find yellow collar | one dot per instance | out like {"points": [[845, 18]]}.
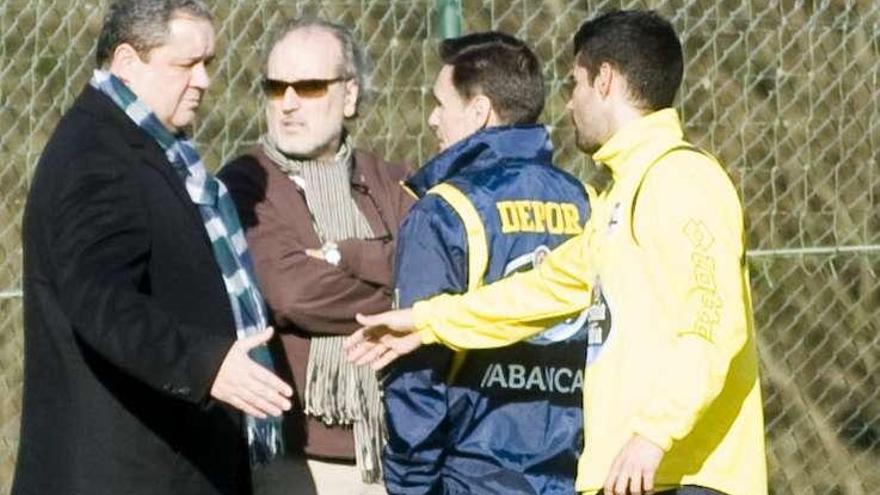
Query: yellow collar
{"points": [[657, 127]]}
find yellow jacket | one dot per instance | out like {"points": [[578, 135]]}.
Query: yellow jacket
{"points": [[671, 352]]}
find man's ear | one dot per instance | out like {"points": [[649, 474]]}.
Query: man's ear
{"points": [[124, 62], [352, 93], [604, 80], [480, 108]]}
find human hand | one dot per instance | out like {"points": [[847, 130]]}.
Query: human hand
{"points": [[315, 253], [383, 338], [248, 386], [632, 472]]}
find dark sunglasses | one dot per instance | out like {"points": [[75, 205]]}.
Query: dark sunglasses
{"points": [[305, 88]]}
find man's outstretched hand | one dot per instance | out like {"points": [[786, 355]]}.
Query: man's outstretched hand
{"points": [[247, 385], [383, 338]]}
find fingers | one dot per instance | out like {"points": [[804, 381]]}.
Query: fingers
{"points": [[365, 345], [368, 335], [634, 468], [384, 359], [611, 480], [354, 340], [648, 481], [269, 387], [257, 339], [263, 390], [368, 352], [635, 482], [244, 407], [247, 385], [253, 399], [250, 403], [368, 320], [236, 400], [620, 485], [358, 355], [624, 479], [398, 320], [378, 346], [260, 400], [270, 380]]}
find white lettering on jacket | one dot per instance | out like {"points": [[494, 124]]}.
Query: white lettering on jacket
{"points": [[537, 378]]}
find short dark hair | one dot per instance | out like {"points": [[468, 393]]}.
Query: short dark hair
{"points": [[641, 46], [355, 63], [143, 24], [500, 67]]}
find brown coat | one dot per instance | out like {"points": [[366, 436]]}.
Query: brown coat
{"points": [[308, 296]]}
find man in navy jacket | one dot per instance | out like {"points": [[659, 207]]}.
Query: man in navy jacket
{"points": [[491, 203]]}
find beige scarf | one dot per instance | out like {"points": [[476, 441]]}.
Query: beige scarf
{"points": [[337, 392]]}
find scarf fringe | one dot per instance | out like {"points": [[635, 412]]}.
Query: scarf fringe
{"points": [[340, 393], [264, 441]]}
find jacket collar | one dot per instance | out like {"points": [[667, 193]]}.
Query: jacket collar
{"points": [[656, 129], [482, 149], [146, 148], [101, 106]]}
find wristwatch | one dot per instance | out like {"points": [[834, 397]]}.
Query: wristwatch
{"points": [[330, 251]]}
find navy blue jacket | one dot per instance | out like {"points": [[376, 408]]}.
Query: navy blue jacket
{"points": [[493, 421]]}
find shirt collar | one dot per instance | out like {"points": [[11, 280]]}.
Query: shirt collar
{"points": [[653, 129], [485, 148]]}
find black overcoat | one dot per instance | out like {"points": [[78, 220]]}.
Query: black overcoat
{"points": [[126, 322]]}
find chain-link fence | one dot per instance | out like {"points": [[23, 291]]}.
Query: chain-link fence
{"points": [[785, 92]]}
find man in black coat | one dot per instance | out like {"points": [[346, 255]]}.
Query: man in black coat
{"points": [[134, 378]]}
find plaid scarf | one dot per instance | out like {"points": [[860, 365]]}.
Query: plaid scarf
{"points": [[227, 242]]}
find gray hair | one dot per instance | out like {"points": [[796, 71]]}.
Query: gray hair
{"points": [[143, 24], [355, 63]]}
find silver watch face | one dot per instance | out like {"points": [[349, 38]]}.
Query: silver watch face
{"points": [[332, 255]]}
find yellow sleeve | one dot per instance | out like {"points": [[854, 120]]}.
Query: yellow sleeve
{"points": [[513, 308], [689, 218]]}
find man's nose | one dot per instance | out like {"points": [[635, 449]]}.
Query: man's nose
{"points": [[290, 100], [200, 78]]}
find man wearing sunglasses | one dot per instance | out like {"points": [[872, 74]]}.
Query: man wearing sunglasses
{"points": [[321, 218]]}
